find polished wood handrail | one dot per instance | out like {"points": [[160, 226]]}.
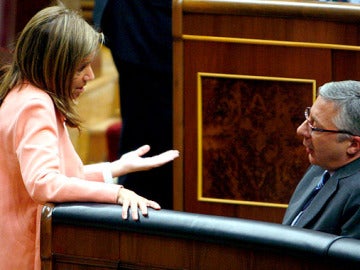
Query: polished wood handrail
{"points": [[274, 8]]}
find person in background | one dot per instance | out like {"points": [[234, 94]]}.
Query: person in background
{"points": [[331, 133], [38, 164], [138, 33]]}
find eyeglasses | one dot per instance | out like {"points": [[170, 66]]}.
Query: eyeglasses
{"points": [[307, 118]]}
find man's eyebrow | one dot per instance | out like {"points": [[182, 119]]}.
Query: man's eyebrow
{"points": [[315, 120], [311, 116]]}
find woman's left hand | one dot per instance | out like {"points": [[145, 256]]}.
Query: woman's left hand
{"points": [[129, 199]]}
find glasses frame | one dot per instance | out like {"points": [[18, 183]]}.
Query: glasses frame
{"points": [[307, 118]]}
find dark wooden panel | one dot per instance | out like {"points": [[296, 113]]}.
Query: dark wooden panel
{"points": [[346, 65], [64, 240], [247, 137], [255, 60], [143, 251]]}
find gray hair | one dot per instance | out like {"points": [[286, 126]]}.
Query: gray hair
{"points": [[346, 97]]}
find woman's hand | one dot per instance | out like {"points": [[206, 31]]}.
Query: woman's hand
{"points": [[133, 161], [129, 199]]}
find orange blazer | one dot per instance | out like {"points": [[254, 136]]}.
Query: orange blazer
{"points": [[38, 164]]}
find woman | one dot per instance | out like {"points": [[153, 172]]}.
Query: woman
{"points": [[38, 164]]}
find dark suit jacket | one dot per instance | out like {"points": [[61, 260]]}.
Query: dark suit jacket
{"points": [[336, 208], [138, 31]]}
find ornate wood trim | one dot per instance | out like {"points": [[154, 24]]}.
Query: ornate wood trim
{"points": [[271, 42]]}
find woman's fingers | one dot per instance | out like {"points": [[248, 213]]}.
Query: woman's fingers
{"points": [[130, 200]]}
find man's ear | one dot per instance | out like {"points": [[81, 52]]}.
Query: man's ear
{"points": [[354, 147]]}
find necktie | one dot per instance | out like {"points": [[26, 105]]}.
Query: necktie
{"points": [[324, 178]]}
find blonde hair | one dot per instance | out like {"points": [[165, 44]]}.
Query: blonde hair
{"points": [[49, 50]]}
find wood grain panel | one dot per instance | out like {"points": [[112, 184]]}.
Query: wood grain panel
{"points": [[64, 237], [246, 139], [270, 28], [142, 251]]}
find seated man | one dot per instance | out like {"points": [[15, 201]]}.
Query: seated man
{"points": [[331, 132]]}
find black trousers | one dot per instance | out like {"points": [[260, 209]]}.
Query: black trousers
{"points": [[138, 33], [146, 111]]}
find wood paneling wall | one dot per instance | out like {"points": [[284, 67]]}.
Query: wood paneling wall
{"points": [[243, 73]]}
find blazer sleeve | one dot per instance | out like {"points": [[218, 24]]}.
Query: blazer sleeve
{"points": [[37, 149], [94, 172]]}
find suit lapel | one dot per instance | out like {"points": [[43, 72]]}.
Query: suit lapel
{"points": [[327, 192], [303, 195], [319, 201], [305, 187]]}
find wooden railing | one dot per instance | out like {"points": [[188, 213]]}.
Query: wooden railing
{"points": [[94, 236]]}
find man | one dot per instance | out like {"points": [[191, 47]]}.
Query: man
{"points": [[138, 33], [331, 132]]}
